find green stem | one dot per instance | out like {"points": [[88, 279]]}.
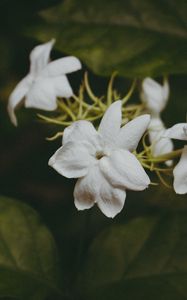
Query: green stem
{"points": [[131, 90], [91, 94], [110, 92], [67, 110], [167, 156]]}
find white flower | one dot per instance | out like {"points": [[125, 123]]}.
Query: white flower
{"points": [[179, 132], [155, 97], [102, 160], [45, 82]]}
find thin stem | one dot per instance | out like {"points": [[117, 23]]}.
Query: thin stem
{"points": [[132, 107], [61, 118], [109, 91], [167, 156], [54, 137], [126, 98], [67, 110], [49, 120], [88, 88], [53, 121], [90, 93], [86, 105], [163, 180], [116, 95], [81, 101], [94, 117]]}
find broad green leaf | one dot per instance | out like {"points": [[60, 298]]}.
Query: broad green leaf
{"points": [[136, 38], [28, 255], [143, 259], [161, 197]]}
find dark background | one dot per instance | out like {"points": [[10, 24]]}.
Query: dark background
{"points": [[26, 176]]}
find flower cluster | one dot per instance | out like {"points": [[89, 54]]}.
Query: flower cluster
{"points": [[105, 160]]}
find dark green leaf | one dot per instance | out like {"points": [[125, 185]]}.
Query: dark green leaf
{"points": [[144, 259], [136, 38], [28, 256]]}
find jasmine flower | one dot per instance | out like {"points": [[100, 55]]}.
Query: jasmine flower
{"points": [[179, 132], [155, 98], [103, 160], [45, 82]]}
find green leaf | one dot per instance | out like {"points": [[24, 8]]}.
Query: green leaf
{"points": [[136, 38], [144, 259], [28, 255]]}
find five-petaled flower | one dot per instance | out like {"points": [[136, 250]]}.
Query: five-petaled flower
{"points": [[155, 97], [103, 160], [45, 82], [179, 132]]}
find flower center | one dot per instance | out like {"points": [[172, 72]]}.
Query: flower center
{"points": [[99, 154]]}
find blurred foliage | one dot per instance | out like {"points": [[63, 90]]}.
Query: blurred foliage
{"points": [[136, 38], [141, 254], [145, 259], [28, 255]]}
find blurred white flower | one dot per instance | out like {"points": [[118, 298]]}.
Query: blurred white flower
{"points": [[102, 160], [45, 82], [155, 97], [179, 132]]}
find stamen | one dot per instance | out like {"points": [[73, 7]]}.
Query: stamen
{"points": [[100, 154]]}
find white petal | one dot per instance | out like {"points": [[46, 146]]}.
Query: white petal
{"points": [[87, 189], [17, 96], [39, 57], [123, 170], [44, 92], [72, 160], [178, 132], [154, 95], [93, 188], [160, 145], [180, 174], [62, 66], [111, 122], [111, 200], [62, 87], [131, 133], [79, 131], [42, 95]]}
